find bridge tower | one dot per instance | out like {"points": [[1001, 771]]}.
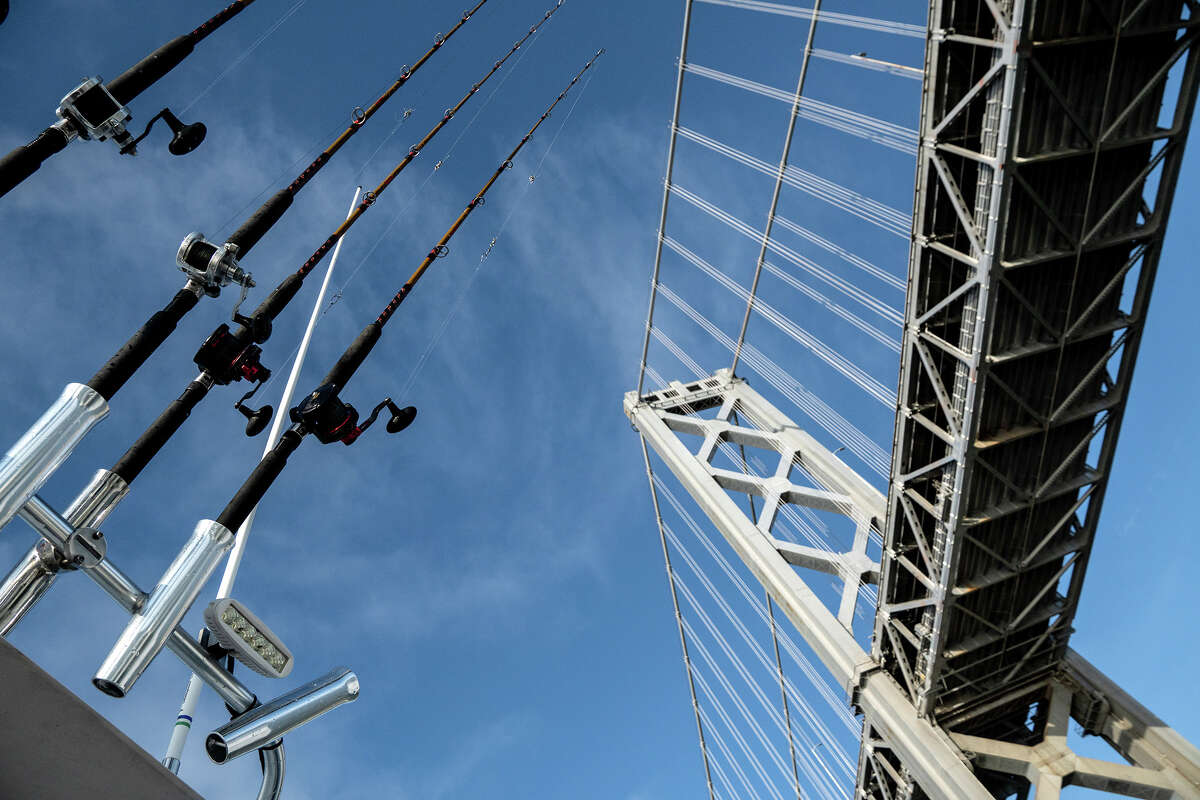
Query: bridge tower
{"points": [[1047, 155]]}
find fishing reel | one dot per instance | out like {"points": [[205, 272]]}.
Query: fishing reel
{"points": [[227, 359], [90, 111], [327, 417], [212, 266]]}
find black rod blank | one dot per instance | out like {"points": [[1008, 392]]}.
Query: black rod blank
{"points": [[264, 474], [130, 465], [26, 159], [130, 357]]}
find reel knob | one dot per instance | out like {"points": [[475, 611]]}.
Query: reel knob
{"points": [[401, 418], [257, 419]]}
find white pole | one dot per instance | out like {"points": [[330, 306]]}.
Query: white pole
{"points": [[183, 722]]}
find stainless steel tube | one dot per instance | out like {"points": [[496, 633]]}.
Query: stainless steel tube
{"points": [[118, 585], [47, 522], [273, 763], [287, 712], [165, 608], [36, 455], [21, 590], [25, 585], [194, 657], [91, 507], [181, 643]]}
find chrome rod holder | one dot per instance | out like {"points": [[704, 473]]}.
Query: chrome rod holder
{"points": [[264, 724], [165, 608], [91, 507], [26, 583], [45, 446]]}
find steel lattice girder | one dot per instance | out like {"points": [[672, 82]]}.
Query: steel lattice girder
{"points": [[922, 747], [1043, 189], [1158, 764]]}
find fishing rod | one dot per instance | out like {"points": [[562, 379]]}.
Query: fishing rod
{"points": [[322, 414], [226, 356], [214, 266], [257, 419], [95, 110], [231, 355], [208, 267]]}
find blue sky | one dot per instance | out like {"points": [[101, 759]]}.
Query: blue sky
{"points": [[492, 574]]}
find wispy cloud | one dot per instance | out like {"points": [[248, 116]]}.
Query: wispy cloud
{"points": [[491, 549]]}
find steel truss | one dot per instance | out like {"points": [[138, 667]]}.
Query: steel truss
{"points": [[1052, 134], [1160, 764], [903, 755], [1044, 184]]}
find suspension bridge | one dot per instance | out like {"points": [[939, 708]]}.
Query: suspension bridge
{"points": [[878, 422]]}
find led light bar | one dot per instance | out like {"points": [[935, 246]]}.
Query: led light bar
{"points": [[250, 641]]}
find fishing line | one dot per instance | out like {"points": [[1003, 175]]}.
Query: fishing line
{"points": [[404, 117], [462, 293], [290, 169], [245, 54], [97, 111], [400, 214], [337, 294], [488, 102]]}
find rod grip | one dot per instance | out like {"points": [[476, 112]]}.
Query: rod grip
{"points": [[120, 368], [264, 474], [354, 356], [142, 75], [154, 438], [261, 221], [259, 327], [279, 297], [25, 160]]}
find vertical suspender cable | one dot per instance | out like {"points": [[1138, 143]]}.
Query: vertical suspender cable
{"points": [[183, 721], [687, 661], [783, 160], [662, 220]]}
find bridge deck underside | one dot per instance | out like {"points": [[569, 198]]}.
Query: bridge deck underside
{"points": [[1043, 189]]}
